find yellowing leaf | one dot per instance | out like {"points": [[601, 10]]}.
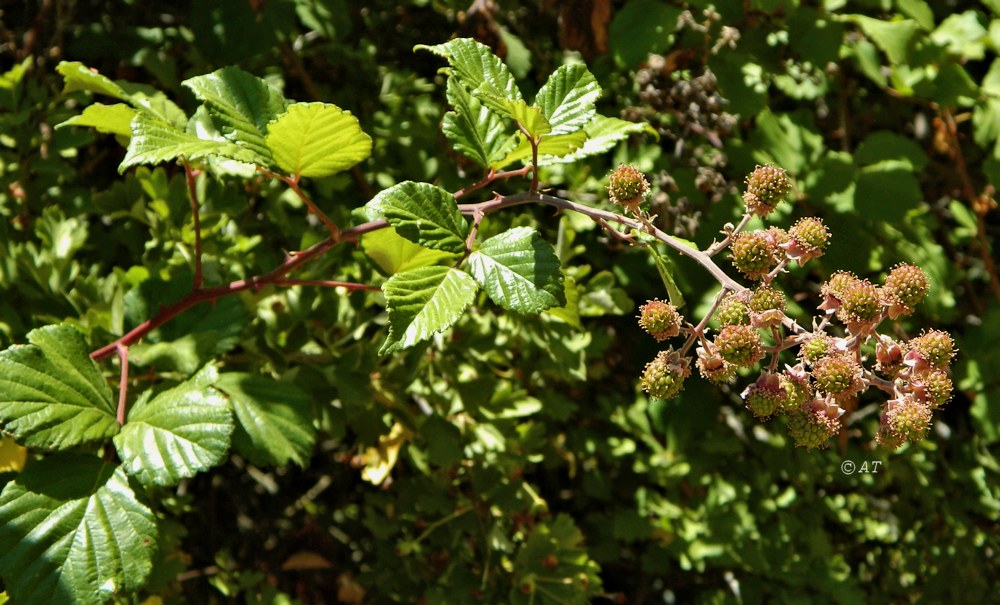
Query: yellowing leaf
{"points": [[12, 456], [380, 460]]}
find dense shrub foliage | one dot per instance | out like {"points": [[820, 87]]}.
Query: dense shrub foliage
{"points": [[313, 301]]}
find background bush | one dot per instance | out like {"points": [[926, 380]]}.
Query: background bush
{"points": [[520, 439]]}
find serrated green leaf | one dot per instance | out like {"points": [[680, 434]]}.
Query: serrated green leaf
{"points": [[108, 119], [274, 419], [529, 117], [424, 214], [78, 76], [394, 253], [567, 98], [603, 133], [155, 141], [52, 395], [519, 271], [480, 71], [893, 37], [550, 148], [242, 106], [474, 129], [424, 301], [178, 433], [317, 140], [73, 532]]}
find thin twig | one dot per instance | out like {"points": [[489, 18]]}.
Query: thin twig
{"points": [[720, 246], [122, 351], [190, 176], [292, 262], [322, 283], [293, 183], [489, 178]]}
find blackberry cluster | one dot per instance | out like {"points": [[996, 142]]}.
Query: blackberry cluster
{"points": [[694, 104], [833, 367]]}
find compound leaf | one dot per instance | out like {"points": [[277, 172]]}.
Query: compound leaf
{"points": [[424, 301], [519, 271], [178, 433], [72, 531], [242, 105], [52, 395], [567, 98], [424, 214], [317, 140], [274, 419]]}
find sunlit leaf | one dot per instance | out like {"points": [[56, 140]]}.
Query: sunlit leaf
{"points": [[177, 433], [519, 271], [155, 142], [475, 130], [242, 105], [567, 98], [108, 119], [424, 214], [72, 532], [424, 301], [52, 396], [317, 140]]}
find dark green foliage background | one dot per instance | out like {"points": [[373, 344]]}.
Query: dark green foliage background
{"points": [[512, 421]]}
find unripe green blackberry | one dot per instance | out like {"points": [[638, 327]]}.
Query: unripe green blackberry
{"points": [[837, 375], [627, 187], [767, 307], [932, 388], [766, 396], [907, 418], [833, 290], [733, 310], [905, 287], [808, 238], [887, 438], [934, 348], [664, 377], [754, 253], [766, 187], [859, 303], [739, 345], [660, 319], [712, 366], [819, 346], [795, 381], [812, 424]]}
